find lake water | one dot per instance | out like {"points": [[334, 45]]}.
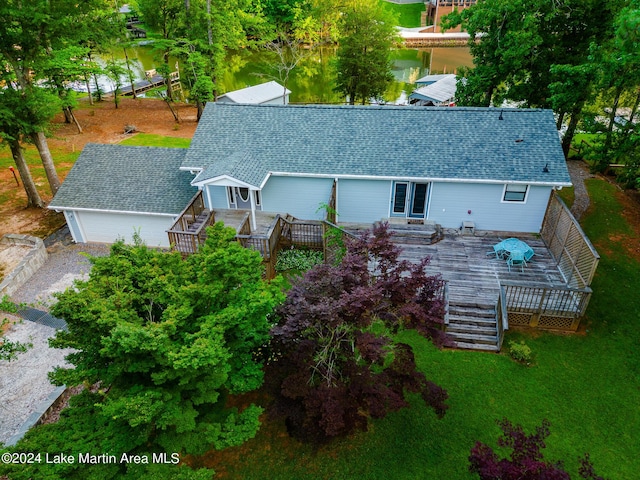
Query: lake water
{"points": [[311, 80]]}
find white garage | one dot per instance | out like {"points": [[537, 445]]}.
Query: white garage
{"points": [[113, 191]]}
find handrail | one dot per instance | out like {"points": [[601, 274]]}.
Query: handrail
{"points": [[559, 286], [183, 212], [502, 316], [445, 297], [540, 300], [333, 225]]}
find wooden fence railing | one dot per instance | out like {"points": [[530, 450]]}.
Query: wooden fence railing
{"points": [[576, 258], [189, 230], [283, 233], [544, 306]]}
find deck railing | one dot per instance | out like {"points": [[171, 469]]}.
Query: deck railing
{"points": [[183, 237], [545, 306], [502, 316], [283, 232]]}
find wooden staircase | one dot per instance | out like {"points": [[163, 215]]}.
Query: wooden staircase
{"points": [[472, 326], [199, 220]]}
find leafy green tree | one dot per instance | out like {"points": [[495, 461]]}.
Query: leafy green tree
{"points": [[202, 89], [63, 67], [115, 71], [618, 67], [336, 363], [8, 348], [166, 340], [23, 115], [363, 60], [82, 429], [522, 47], [30, 30]]}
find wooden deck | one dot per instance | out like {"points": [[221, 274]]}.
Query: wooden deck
{"points": [[473, 275]]}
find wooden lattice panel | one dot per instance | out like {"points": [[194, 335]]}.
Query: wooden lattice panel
{"points": [[576, 258], [519, 319], [561, 323]]}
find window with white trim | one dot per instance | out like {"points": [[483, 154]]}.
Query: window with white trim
{"points": [[232, 197], [515, 193]]}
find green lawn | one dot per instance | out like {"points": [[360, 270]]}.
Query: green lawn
{"points": [[587, 385], [151, 140], [408, 14]]}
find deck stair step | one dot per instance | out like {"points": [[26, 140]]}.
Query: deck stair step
{"points": [[415, 234], [472, 325], [200, 219]]}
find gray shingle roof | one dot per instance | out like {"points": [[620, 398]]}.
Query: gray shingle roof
{"points": [[247, 142], [131, 179]]}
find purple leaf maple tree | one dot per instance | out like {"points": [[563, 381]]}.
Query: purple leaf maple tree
{"points": [[336, 361], [526, 461]]}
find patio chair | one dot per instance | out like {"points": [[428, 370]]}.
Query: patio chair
{"points": [[516, 258], [498, 250]]}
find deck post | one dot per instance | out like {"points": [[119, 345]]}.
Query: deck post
{"points": [[252, 197]]}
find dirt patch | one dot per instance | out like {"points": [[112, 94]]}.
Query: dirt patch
{"points": [[101, 123]]}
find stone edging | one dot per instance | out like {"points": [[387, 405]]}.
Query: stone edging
{"points": [[38, 415], [27, 266]]}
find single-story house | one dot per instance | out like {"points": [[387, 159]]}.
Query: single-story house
{"points": [[269, 93], [434, 90], [493, 167]]}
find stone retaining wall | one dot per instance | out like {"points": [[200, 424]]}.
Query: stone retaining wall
{"points": [[29, 264]]}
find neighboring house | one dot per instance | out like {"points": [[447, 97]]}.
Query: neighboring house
{"points": [[434, 90], [270, 93], [493, 167]]}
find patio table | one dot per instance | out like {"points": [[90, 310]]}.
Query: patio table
{"points": [[511, 245]]}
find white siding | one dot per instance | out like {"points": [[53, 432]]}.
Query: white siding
{"points": [[300, 197], [451, 202], [106, 227], [363, 201]]}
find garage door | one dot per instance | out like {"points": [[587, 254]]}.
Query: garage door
{"points": [[108, 227]]}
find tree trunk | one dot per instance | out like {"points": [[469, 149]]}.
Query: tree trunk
{"points": [[41, 144], [612, 120], [634, 109], [86, 80], [130, 74], [69, 111], [167, 80], [200, 109], [209, 29], [33, 197], [67, 114], [561, 115], [571, 130]]}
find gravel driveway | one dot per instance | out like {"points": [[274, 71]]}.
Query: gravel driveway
{"points": [[24, 385], [65, 264]]}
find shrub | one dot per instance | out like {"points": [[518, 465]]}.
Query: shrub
{"points": [[520, 352], [297, 259]]}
